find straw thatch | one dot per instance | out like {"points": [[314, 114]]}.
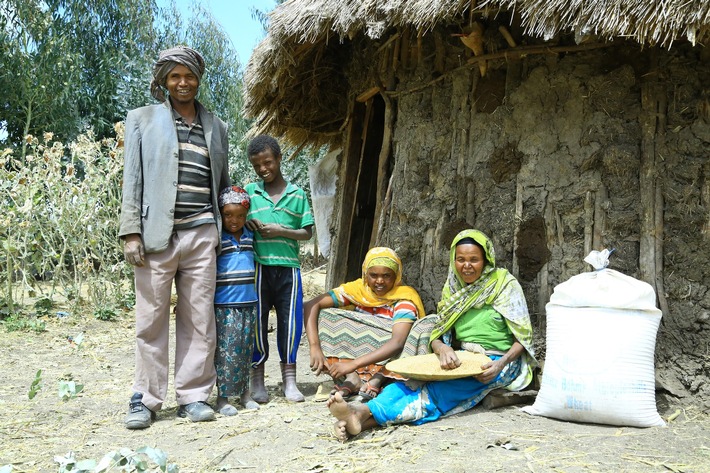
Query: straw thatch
{"points": [[295, 81]]}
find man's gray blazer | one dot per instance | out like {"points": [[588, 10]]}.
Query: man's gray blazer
{"points": [[150, 172]]}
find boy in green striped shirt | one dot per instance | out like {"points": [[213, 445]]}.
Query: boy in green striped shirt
{"points": [[280, 217]]}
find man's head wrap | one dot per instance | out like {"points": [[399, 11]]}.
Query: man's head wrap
{"points": [[170, 58], [234, 195]]}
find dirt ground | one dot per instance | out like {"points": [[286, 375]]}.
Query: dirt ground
{"points": [[296, 437]]}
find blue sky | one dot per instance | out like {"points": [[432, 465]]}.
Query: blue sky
{"points": [[236, 19]]}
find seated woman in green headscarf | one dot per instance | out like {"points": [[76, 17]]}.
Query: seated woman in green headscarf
{"points": [[355, 328], [482, 309]]}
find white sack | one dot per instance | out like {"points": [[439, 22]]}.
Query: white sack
{"points": [[601, 336], [323, 179]]}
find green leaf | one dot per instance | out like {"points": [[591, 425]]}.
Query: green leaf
{"points": [[155, 454], [36, 385], [69, 389]]}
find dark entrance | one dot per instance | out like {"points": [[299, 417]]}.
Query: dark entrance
{"points": [[359, 184]]}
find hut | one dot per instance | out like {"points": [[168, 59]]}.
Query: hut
{"points": [[555, 126]]}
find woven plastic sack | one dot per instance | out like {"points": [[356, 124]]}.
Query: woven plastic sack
{"points": [[601, 337]]}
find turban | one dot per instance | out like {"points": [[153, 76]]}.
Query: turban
{"points": [[234, 195], [167, 60]]}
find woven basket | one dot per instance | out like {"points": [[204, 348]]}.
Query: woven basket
{"points": [[427, 367]]}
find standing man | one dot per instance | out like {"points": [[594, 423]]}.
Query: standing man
{"points": [[175, 164]]}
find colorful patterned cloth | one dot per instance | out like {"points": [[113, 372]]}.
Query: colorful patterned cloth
{"points": [[235, 345], [347, 334]]}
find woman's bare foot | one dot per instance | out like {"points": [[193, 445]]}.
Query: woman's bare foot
{"points": [[350, 416], [340, 431]]}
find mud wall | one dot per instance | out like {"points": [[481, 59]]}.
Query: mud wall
{"points": [[544, 155]]}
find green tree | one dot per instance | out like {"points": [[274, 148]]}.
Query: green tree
{"points": [[71, 65], [39, 72], [115, 40]]}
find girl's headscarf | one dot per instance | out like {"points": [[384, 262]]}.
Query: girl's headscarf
{"points": [[233, 195], [167, 60], [360, 293], [495, 287]]}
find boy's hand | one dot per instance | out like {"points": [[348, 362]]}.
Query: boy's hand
{"points": [[270, 230], [254, 225]]}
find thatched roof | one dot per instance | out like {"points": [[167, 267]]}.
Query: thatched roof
{"points": [[295, 84]]}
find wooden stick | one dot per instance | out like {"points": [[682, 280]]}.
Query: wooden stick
{"points": [[387, 43], [600, 209], [662, 102], [660, 285], [517, 221], [368, 94], [383, 212], [588, 222], [395, 53], [405, 50], [440, 58], [647, 178], [508, 37], [550, 233], [509, 54], [381, 190]]}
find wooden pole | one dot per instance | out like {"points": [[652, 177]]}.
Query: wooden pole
{"points": [[662, 107], [600, 208], [518, 219], [382, 187], [647, 191], [588, 222]]}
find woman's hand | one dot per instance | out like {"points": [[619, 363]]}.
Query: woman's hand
{"points": [[319, 364], [447, 358], [342, 368], [491, 371]]}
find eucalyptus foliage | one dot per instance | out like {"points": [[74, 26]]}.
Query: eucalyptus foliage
{"points": [[71, 65], [68, 66]]}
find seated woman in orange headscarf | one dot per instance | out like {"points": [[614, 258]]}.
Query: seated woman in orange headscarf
{"points": [[354, 329]]}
